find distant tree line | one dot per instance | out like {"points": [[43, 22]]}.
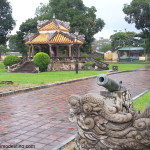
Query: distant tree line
{"points": [[80, 17], [137, 12]]}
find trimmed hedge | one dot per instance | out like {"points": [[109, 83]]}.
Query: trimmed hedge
{"points": [[42, 60], [84, 55], [99, 59], [89, 63], [11, 60]]}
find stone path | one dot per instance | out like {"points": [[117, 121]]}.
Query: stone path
{"points": [[40, 118]]}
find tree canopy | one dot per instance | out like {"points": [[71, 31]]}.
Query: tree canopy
{"points": [[138, 12], [105, 47], [81, 18], [123, 39], [16, 42], [6, 21], [3, 49], [13, 42]]}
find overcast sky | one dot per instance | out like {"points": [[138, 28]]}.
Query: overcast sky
{"points": [[108, 10]]}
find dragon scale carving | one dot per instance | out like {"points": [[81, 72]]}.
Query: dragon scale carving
{"points": [[107, 121]]}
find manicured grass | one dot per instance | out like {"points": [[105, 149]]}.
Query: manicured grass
{"points": [[46, 77], [142, 102], [2, 69], [27, 80], [51, 77], [127, 66]]}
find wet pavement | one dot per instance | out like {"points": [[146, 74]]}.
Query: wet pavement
{"points": [[39, 119]]}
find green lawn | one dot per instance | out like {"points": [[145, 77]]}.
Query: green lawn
{"points": [[26, 79], [46, 77], [2, 69], [142, 102], [127, 66]]}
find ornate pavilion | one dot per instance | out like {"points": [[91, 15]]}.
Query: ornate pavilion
{"points": [[54, 33]]}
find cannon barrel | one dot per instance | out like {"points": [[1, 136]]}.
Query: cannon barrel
{"points": [[108, 83]]}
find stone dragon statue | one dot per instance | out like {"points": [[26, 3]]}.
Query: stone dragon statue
{"points": [[107, 121]]}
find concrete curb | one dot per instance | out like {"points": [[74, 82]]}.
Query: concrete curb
{"points": [[59, 83], [42, 86], [134, 98], [63, 144]]}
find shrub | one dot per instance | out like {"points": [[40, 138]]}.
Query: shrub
{"points": [[84, 55], [99, 59], [42, 60], [89, 63], [11, 60]]}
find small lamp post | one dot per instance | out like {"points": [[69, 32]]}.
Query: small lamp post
{"points": [[76, 63], [76, 66]]}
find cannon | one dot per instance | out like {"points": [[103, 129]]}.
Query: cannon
{"points": [[115, 91], [109, 84]]}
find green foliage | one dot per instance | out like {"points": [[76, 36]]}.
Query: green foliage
{"points": [[84, 55], [138, 12], [50, 77], [2, 68], [6, 21], [43, 12], [126, 66], [141, 103], [123, 39], [42, 60], [99, 59], [89, 63], [105, 47], [3, 49], [29, 26], [147, 45], [13, 42], [75, 12], [17, 41], [11, 60]]}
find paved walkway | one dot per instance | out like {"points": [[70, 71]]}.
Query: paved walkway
{"points": [[40, 117]]}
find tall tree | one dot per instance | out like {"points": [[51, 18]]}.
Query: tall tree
{"points": [[105, 47], [43, 12], [6, 20], [29, 26], [13, 42], [138, 12], [3, 49], [122, 39], [81, 18]]}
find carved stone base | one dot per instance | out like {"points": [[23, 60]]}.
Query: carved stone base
{"points": [[103, 124]]}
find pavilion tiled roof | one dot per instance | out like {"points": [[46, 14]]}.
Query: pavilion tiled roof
{"points": [[54, 31], [53, 26], [56, 37]]}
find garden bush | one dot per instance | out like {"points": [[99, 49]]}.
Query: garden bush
{"points": [[42, 60], [11, 60], [84, 55], [99, 59], [89, 63]]}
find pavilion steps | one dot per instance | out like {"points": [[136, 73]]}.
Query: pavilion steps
{"points": [[28, 67]]}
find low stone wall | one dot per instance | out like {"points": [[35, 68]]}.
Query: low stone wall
{"points": [[58, 66]]}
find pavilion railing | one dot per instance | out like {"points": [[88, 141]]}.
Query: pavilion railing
{"points": [[100, 64]]}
